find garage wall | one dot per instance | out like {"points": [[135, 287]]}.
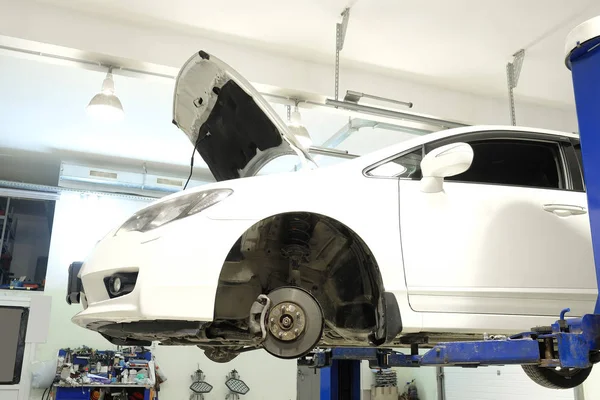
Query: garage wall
{"points": [[79, 222], [497, 383]]}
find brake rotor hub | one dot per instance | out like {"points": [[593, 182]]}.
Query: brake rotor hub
{"points": [[287, 321]]}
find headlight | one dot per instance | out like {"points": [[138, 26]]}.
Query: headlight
{"points": [[170, 210]]}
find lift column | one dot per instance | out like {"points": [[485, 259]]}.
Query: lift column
{"points": [[341, 381], [583, 59]]}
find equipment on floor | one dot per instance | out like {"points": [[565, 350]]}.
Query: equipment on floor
{"points": [[85, 373], [199, 387], [235, 385]]}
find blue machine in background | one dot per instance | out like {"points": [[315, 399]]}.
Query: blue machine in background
{"points": [[577, 339]]}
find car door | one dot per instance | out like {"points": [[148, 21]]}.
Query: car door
{"points": [[508, 236]]}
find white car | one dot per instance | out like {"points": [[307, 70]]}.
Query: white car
{"points": [[444, 237]]}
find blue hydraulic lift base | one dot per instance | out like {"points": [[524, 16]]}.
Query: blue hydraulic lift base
{"points": [[577, 341]]}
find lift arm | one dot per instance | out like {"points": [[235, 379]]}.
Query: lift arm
{"points": [[577, 341]]}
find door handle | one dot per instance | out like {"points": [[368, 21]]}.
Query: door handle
{"points": [[564, 210]]}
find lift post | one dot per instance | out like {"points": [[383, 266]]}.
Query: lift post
{"points": [[583, 59]]}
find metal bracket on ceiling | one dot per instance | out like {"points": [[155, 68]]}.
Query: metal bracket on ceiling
{"points": [[356, 124], [340, 36], [354, 97], [513, 72]]}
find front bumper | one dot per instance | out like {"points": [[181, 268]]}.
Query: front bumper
{"points": [[178, 269]]}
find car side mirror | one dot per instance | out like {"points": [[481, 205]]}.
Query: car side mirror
{"points": [[449, 160]]}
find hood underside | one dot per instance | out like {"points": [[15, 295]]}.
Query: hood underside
{"points": [[231, 125]]}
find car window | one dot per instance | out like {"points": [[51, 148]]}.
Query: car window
{"points": [[514, 162], [408, 165]]}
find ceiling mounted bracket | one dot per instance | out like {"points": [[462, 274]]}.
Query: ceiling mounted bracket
{"points": [[340, 36], [356, 124], [513, 72], [354, 97]]}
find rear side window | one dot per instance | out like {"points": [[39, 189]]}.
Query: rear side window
{"points": [[514, 162]]}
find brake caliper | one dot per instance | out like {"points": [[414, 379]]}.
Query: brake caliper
{"points": [[258, 313]]}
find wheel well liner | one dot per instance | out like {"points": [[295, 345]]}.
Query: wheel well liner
{"points": [[340, 265]]}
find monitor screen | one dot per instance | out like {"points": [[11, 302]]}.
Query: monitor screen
{"points": [[13, 328]]}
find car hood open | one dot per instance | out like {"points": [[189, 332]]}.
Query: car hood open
{"points": [[232, 126]]}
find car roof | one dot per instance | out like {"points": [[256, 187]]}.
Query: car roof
{"points": [[389, 151]]}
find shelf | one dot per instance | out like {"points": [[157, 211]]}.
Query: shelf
{"points": [[116, 385]]}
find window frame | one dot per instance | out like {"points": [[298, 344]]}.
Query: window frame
{"points": [[390, 159], [575, 165], [564, 165]]}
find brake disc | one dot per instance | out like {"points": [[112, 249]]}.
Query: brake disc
{"points": [[294, 323]]}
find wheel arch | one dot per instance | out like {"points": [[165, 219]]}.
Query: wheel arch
{"points": [[352, 231], [360, 248]]}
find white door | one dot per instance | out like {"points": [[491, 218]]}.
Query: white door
{"points": [[497, 383], [509, 236]]}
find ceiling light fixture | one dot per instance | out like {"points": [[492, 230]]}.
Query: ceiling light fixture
{"points": [[106, 106], [298, 129]]}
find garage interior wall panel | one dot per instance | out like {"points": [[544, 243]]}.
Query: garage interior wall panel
{"points": [[79, 222], [497, 383]]}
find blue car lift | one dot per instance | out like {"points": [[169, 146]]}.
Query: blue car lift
{"points": [[576, 339]]}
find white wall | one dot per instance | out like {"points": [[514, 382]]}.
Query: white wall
{"points": [[498, 383], [79, 222]]}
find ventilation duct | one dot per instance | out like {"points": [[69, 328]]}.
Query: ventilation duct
{"points": [[83, 177]]}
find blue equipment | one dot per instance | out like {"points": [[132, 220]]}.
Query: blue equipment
{"points": [[583, 58]]}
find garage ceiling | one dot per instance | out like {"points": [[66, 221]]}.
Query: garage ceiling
{"points": [[462, 44]]}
